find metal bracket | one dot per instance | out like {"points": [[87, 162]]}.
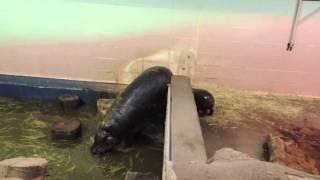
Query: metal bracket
{"points": [[294, 25], [296, 22]]}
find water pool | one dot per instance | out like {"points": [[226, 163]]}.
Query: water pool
{"points": [[25, 131]]}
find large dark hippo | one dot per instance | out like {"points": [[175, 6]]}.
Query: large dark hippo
{"points": [[145, 96], [204, 102]]}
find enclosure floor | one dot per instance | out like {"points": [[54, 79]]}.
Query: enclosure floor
{"points": [[25, 131], [242, 119]]}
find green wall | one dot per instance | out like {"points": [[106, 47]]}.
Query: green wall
{"points": [[35, 20]]}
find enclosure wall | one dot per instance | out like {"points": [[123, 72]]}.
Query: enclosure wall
{"points": [[238, 44]]}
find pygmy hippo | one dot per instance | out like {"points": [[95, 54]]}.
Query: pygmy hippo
{"points": [[204, 102], [145, 96]]}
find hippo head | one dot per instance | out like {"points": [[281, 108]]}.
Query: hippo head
{"points": [[103, 142]]}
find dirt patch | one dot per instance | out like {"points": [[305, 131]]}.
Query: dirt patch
{"points": [[296, 147]]}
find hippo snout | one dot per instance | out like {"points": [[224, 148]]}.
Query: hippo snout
{"points": [[103, 142]]}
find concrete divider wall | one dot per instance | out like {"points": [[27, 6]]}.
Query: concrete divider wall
{"points": [[183, 137]]}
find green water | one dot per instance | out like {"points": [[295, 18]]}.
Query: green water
{"points": [[25, 131]]}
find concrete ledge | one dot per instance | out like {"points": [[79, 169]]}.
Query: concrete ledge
{"points": [[50, 89], [187, 139], [183, 136]]}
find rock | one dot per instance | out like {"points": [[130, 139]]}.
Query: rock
{"points": [[152, 130], [230, 164], [69, 102], [66, 129], [103, 105], [24, 168], [275, 149], [297, 148], [140, 176], [228, 154]]}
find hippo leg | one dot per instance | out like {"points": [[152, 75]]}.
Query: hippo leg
{"points": [[131, 138]]}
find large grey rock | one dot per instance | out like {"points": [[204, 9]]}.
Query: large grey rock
{"points": [[229, 154], [228, 164], [24, 168], [140, 176]]}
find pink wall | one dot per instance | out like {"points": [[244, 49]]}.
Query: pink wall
{"points": [[244, 51], [251, 55]]}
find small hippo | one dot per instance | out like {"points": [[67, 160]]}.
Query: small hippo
{"points": [[204, 102]]}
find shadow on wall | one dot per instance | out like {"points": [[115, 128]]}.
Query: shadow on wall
{"points": [[180, 62]]}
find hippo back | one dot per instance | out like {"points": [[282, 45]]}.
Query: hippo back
{"points": [[146, 94]]}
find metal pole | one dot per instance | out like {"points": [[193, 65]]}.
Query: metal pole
{"points": [[294, 25]]}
